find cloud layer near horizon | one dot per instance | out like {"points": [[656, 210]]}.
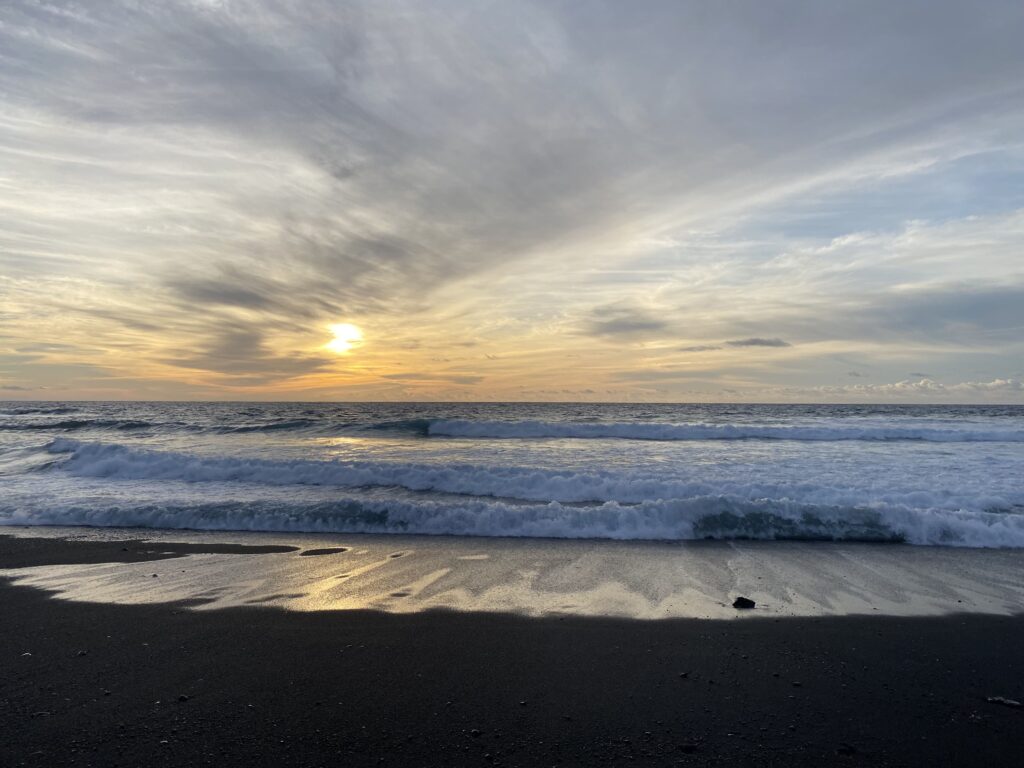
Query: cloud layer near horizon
{"points": [[679, 201]]}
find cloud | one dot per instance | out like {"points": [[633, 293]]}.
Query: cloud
{"points": [[926, 388], [960, 312], [199, 188], [454, 378], [623, 321], [241, 355], [751, 342], [225, 291], [758, 342]]}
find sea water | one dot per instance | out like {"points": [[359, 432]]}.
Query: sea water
{"points": [[939, 475]]}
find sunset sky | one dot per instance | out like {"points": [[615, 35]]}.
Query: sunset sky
{"points": [[677, 201]]}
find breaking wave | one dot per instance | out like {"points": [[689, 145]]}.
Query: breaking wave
{"points": [[636, 431], [696, 518], [519, 501]]}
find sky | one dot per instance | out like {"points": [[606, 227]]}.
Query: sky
{"points": [[576, 201]]}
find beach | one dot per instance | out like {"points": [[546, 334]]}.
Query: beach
{"points": [[511, 584], [534, 384], [364, 676]]}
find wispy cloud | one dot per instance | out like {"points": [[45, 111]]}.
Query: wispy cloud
{"points": [[700, 348], [192, 192], [623, 321], [756, 341]]}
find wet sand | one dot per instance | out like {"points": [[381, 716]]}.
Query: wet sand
{"points": [[532, 577], [88, 679]]}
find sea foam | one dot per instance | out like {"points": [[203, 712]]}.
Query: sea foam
{"points": [[684, 519], [519, 501], [639, 431], [119, 462]]}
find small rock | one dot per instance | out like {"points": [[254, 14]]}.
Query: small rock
{"points": [[743, 603], [183, 698], [846, 749], [688, 748], [1004, 701]]}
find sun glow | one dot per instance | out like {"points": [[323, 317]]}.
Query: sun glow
{"points": [[346, 338]]}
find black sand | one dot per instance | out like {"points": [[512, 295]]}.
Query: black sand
{"points": [[103, 685]]}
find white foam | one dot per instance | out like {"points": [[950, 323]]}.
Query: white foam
{"points": [[705, 517], [188, 491], [655, 431], [117, 462]]}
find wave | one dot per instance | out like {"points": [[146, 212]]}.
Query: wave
{"points": [[676, 520], [275, 426], [322, 427], [525, 501], [415, 426], [125, 425], [484, 429], [74, 425], [41, 410], [118, 462], [655, 431]]}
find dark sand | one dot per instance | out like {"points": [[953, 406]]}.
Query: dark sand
{"points": [[101, 684]]}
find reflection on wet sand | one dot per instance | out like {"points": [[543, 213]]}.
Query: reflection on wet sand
{"points": [[646, 580]]}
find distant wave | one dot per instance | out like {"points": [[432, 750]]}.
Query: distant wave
{"points": [[508, 430], [74, 425], [654, 431], [124, 425], [321, 426], [415, 426], [274, 426], [41, 410], [697, 518]]}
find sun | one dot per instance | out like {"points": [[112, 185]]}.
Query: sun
{"points": [[346, 338]]}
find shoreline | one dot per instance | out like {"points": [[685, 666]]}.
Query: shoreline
{"points": [[412, 573], [165, 684]]}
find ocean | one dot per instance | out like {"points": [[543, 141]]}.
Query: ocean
{"points": [[926, 475]]}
